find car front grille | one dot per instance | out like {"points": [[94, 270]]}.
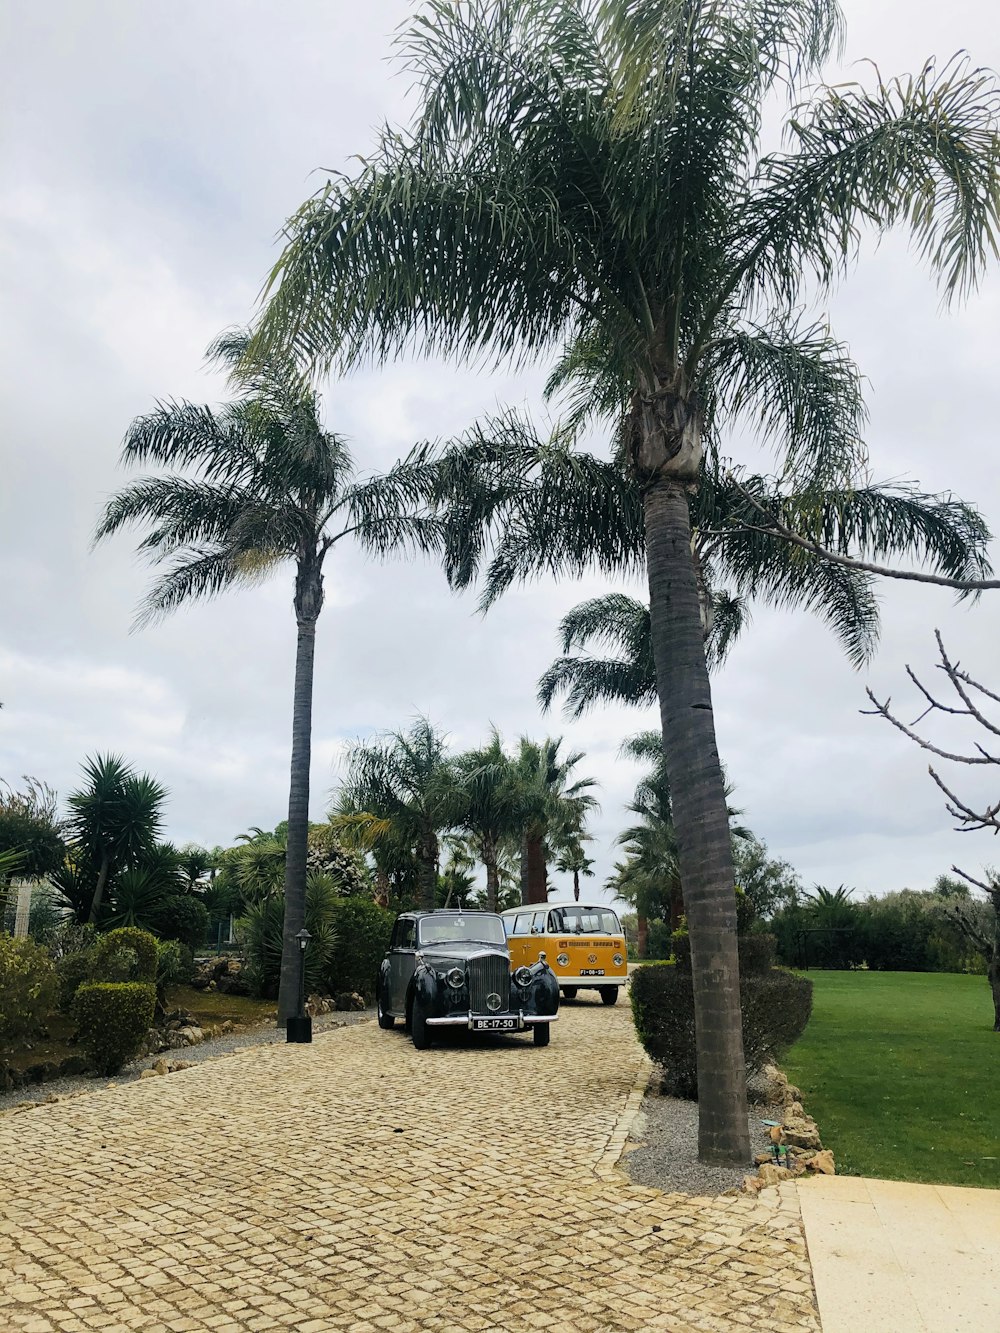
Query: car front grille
{"points": [[489, 975]]}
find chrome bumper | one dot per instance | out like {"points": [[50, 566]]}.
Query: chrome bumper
{"points": [[466, 1020]]}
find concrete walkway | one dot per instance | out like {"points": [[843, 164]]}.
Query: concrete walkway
{"points": [[889, 1257], [360, 1184]]}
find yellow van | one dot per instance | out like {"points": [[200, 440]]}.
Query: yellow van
{"points": [[583, 943]]}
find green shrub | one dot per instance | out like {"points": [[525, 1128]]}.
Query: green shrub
{"points": [[776, 1006], [28, 988], [756, 953], [182, 917], [127, 954], [73, 947], [261, 931], [113, 1019], [174, 965], [363, 931]]}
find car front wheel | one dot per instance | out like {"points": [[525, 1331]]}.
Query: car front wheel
{"points": [[609, 994], [540, 1032], [419, 1030]]}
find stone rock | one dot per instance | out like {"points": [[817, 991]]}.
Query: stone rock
{"points": [[43, 1072], [227, 1025], [792, 1094], [802, 1133], [763, 1157], [349, 1000], [822, 1162], [73, 1064], [148, 1073], [770, 1174], [795, 1111], [752, 1184], [161, 1067], [177, 1065]]}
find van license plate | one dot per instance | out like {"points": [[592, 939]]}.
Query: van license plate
{"points": [[494, 1025], [591, 971]]}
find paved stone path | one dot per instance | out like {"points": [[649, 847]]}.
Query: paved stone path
{"points": [[903, 1258], [359, 1184]]}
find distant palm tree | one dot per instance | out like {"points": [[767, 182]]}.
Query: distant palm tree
{"points": [[270, 486], [553, 804], [489, 797], [399, 790]]}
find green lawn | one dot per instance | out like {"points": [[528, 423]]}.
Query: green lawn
{"points": [[901, 1071]]}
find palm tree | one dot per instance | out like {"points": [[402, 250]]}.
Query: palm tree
{"points": [[399, 790], [592, 175], [571, 859], [270, 486], [113, 824], [756, 566], [488, 805], [552, 806]]}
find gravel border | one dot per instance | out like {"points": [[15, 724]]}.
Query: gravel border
{"points": [[261, 1034], [662, 1149]]}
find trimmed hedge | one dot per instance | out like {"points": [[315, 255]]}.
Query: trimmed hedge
{"points": [[114, 1018], [776, 1006], [128, 954]]}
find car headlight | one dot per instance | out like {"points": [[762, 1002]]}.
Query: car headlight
{"points": [[563, 960], [523, 976], [618, 960], [456, 977]]}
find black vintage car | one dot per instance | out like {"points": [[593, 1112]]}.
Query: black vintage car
{"points": [[452, 969]]}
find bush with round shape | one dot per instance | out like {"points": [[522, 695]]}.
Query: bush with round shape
{"points": [[363, 932], [174, 965], [113, 1020], [775, 1004], [182, 917], [127, 954], [28, 988]]}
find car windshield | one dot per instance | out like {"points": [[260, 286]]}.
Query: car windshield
{"points": [[584, 921], [478, 927]]}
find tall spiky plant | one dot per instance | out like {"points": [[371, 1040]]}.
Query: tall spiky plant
{"points": [[266, 485], [591, 174]]}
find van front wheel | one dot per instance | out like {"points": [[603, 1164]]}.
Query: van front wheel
{"points": [[609, 994], [569, 992]]}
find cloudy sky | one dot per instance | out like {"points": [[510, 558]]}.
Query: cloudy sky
{"points": [[151, 152]]}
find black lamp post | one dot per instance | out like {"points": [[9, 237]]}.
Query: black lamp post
{"points": [[299, 1028]]}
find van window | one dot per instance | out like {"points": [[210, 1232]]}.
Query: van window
{"points": [[584, 921], [538, 924], [522, 924]]}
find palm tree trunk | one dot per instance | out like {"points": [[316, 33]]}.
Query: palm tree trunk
{"points": [[536, 871], [701, 821], [576, 885], [102, 880], [298, 821], [523, 867], [427, 867], [641, 935], [492, 874]]}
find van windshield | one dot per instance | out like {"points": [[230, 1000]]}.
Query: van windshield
{"points": [[583, 921]]}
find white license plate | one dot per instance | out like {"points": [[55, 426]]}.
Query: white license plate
{"points": [[591, 971], [494, 1025]]}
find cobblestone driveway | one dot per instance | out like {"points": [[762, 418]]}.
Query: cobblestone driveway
{"points": [[360, 1184]]}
